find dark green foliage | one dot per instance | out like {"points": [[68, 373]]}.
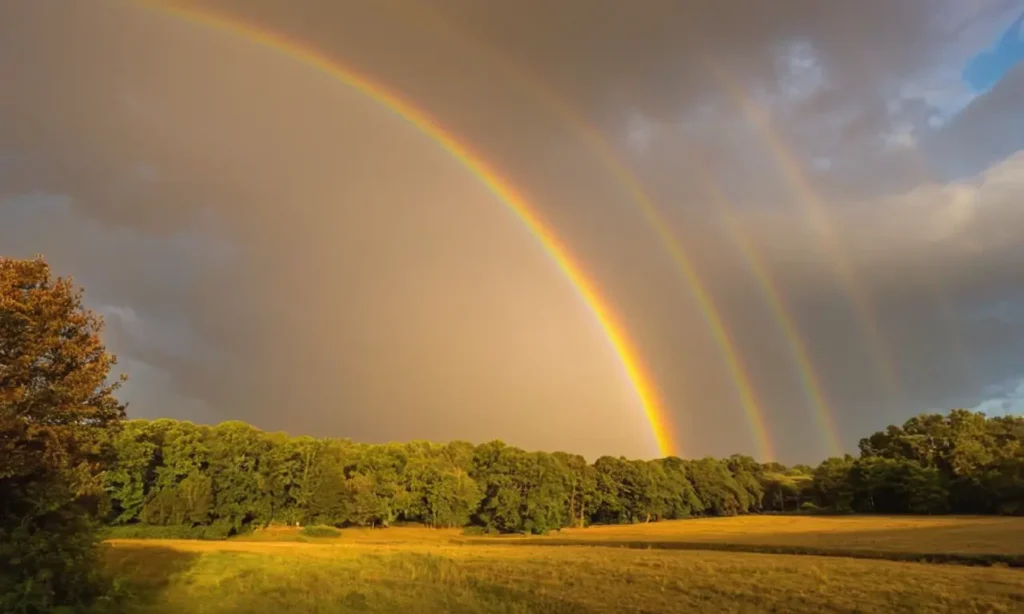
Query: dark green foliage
{"points": [[717, 491], [56, 411], [320, 531], [231, 475], [963, 462], [832, 484], [49, 561], [150, 531], [177, 474], [474, 529]]}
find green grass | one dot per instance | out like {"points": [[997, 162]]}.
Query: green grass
{"points": [[424, 570]]}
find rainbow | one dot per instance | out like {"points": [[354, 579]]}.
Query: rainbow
{"points": [[706, 303], [499, 186], [809, 380], [814, 210], [683, 263], [805, 368]]}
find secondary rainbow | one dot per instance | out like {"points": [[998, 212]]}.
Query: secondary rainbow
{"points": [[941, 297], [672, 246], [498, 185], [809, 381], [814, 210]]}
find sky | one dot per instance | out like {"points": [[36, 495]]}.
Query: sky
{"points": [[269, 244]]}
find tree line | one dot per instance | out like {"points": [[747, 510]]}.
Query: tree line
{"points": [[69, 460], [233, 476]]}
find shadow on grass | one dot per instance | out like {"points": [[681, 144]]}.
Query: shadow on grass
{"points": [[141, 573], [948, 558]]}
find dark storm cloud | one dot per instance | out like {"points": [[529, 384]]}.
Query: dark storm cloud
{"points": [[268, 246]]}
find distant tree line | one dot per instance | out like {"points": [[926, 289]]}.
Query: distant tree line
{"points": [[233, 476]]}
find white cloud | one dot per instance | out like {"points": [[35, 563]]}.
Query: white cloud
{"points": [[902, 136], [127, 317], [965, 232], [964, 214], [1009, 400], [972, 28], [801, 73]]}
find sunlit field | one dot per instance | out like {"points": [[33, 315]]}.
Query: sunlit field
{"points": [[975, 535], [407, 569], [978, 535]]}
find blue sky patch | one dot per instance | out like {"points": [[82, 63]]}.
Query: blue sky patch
{"points": [[987, 67]]}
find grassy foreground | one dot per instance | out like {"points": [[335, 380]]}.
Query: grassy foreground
{"points": [[424, 570]]}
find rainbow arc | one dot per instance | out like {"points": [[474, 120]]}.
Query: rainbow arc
{"points": [[499, 186]]}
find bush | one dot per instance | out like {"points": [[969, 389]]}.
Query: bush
{"points": [[475, 530], [174, 531], [50, 562], [320, 531]]}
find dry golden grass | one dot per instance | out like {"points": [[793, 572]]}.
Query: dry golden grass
{"points": [[971, 536], [432, 576], [916, 534]]}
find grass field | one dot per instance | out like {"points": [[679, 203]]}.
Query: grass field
{"points": [[423, 570], [963, 539]]}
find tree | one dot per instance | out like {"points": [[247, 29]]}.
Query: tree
{"points": [[126, 481], [716, 489], [784, 491], [831, 484], [56, 404], [971, 455], [364, 507]]}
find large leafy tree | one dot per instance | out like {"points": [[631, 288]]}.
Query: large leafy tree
{"points": [[56, 404]]}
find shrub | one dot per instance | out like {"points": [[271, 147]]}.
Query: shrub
{"points": [[320, 531], [174, 531], [50, 562], [475, 530]]}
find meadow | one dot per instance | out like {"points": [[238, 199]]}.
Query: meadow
{"points": [[413, 569], [961, 539]]}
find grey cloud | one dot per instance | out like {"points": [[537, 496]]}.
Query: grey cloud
{"points": [[988, 130], [927, 258]]}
